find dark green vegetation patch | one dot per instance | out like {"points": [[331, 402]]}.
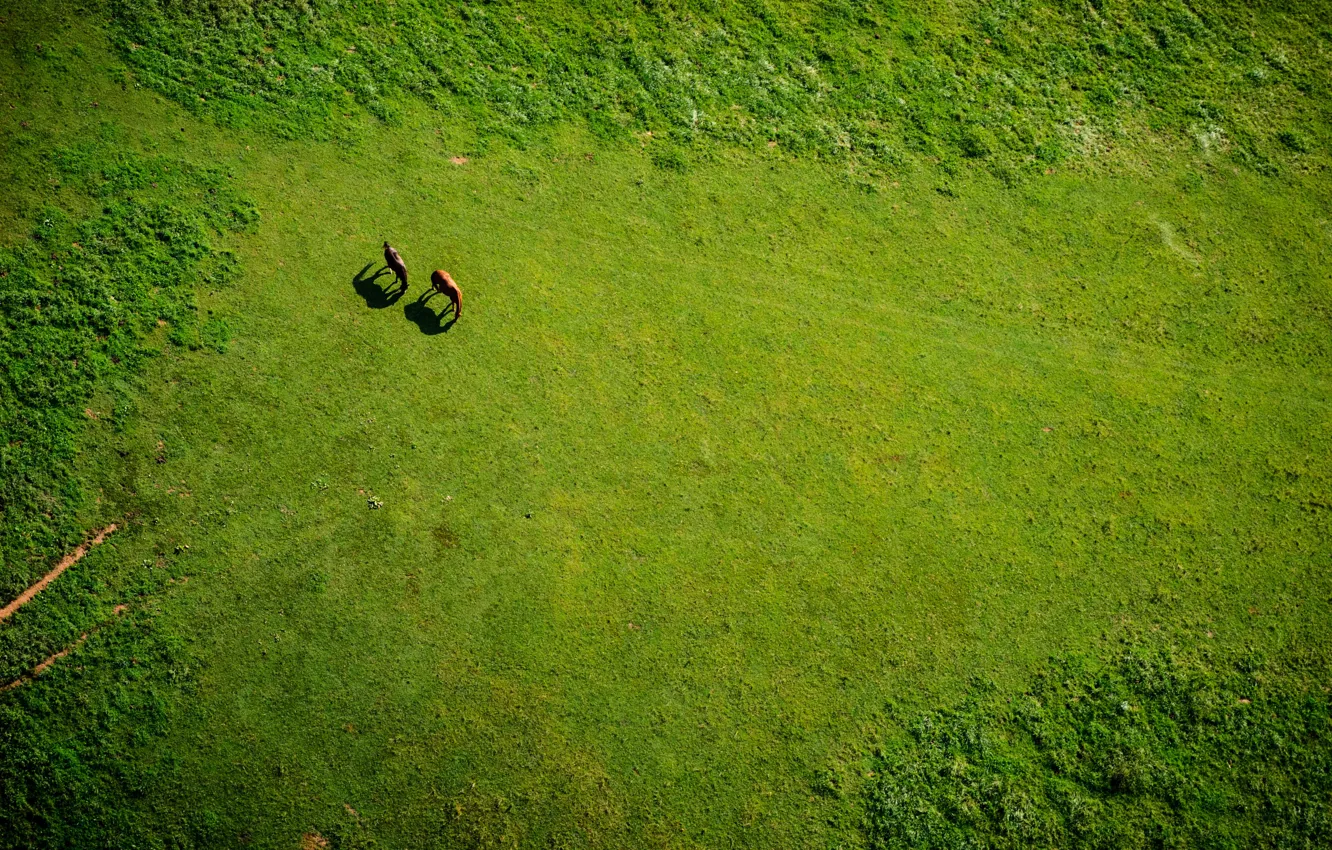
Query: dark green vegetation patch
{"points": [[1153, 750], [78, 300], [1021, 85], [73, 753]]}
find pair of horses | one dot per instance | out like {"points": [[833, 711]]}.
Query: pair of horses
{"points": [[440, 280]]}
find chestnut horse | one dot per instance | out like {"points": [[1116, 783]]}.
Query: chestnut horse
{"points": [[444, 284], [393, 260]]}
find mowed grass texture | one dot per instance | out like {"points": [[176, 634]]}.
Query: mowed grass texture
{"points": [[722, 477]]}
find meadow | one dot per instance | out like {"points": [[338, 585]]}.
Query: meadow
{"points": [[808, 474]]}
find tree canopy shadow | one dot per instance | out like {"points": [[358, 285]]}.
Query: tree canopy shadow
{"points": [[376, 297], [427, 320]]}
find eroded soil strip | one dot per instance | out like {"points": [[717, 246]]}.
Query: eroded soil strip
{"points": [[37, 671], [41, 668], [65, 563]]}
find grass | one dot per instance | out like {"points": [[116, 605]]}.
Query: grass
{"points": [[1149, 750], [874, 86], [80, 302], [731, 473]]}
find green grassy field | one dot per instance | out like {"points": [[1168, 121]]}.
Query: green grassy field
{"points": [[757, 498]]}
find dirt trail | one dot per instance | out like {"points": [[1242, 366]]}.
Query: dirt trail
{"points": [[83, 638], [65, 563], [38, 670]]}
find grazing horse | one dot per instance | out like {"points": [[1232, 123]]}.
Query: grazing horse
{"points": [[444, 284], [393, 260]]}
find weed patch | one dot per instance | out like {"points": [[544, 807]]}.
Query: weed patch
{"points": [[72, 743], [995, 82], [1154, 749], [79, 301]]}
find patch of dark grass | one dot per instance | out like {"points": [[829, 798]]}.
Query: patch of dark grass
{"points": [[1154, 749], [1294, 140], [445, 536], [79, 300], [669, 158], [71, 746]]}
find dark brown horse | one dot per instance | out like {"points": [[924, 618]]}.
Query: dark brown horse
{"points": [[393, 260], [444, 284]]}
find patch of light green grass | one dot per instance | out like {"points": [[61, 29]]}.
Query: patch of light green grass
{"points": [[715, 503]]}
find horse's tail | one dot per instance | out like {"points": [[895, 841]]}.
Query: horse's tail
{"points": [[457, 303]]}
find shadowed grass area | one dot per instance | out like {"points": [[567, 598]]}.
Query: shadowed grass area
{"points": [[726, 473]]}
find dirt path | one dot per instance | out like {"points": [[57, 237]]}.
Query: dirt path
{"points": [[37, 671], [83, 638], [65, 563]]}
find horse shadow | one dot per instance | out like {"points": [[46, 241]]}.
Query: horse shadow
{"points": [[427, 320], [376, 297]]}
